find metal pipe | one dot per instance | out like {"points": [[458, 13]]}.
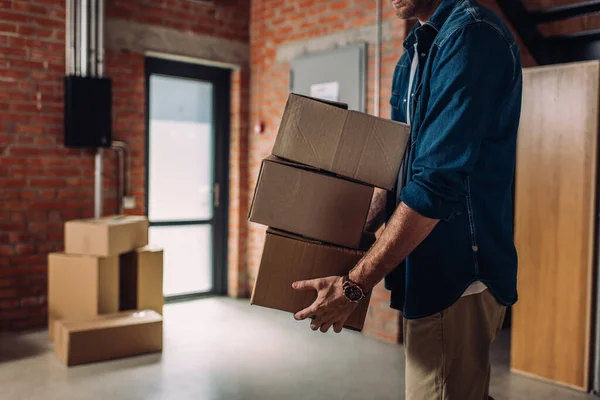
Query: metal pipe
{"points": [[85, 57], [98, 62], [120, 177], [377, 94], [100, 39], [77, 44], [68, 34], [93, 33], [127, 165], [98, 198]]}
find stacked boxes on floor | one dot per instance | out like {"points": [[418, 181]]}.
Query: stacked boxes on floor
{"points": [[107, 268], [314, 192]]}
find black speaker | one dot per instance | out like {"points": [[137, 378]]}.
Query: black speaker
{"points": [[88, 112]]}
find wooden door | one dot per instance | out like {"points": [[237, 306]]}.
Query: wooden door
{"points": [[555, 211]]}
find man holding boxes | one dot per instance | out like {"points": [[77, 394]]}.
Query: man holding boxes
{"points": [[447, 250]]}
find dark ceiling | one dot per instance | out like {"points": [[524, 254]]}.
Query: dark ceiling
{"points": [[556, 31]]}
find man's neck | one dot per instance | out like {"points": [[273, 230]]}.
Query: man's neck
{"points": [[426, 14]]}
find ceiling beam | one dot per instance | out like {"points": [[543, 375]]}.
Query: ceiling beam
{"points": [[577, 46], [527, 30], [565, 12]]}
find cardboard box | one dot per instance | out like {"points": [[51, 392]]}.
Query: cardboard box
{"points": [[141, 280], [107, 236], [309, 203], [287, 258], [108, 337], [81, 287], [349, 143]]}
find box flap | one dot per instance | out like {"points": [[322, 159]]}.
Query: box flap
{"points": [[307, 167], [278, 232], [329, 102], [67, 256], [111, 220], [112, 320], [367, 240], [149, 249]]}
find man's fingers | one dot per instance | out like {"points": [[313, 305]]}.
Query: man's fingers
{"points": [[308, 312], [325, 327], [337, 327], [312, 284], [318, 322]]}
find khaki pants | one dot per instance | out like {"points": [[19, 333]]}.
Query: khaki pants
{"points": [[448, 354]]}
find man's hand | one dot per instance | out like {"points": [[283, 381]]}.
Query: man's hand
{"points": [[331, 308]]}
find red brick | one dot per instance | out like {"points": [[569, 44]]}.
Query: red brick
{"points": [[9, 194], [17, 313], [24, 248], [6, 282], [6, 27], [12, 16], [29, 259], [33, 301], [8, 304], [46, 194], [13, 74], [28, 7], [27, 195], [48, 182], [45, 205], [55, 236], [15, 237], [26, 151], [30, 322], [13, 206], [6, 294]]}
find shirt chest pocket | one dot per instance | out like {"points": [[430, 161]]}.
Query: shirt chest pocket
{"points": [[399, 91]]}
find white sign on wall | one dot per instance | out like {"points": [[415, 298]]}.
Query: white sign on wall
{"points": [[326, 91]]}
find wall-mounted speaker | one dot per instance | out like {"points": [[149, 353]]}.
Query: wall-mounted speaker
{"points": [[88, 111]]}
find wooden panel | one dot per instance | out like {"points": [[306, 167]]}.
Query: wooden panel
{"points": [[554, 222]]}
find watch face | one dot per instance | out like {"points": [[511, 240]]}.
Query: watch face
{"points": [[353, 293]]}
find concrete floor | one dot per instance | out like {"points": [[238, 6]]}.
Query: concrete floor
{"points": [[224, 349]]}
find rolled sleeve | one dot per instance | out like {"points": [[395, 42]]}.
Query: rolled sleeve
{"points": [[469, 81]]}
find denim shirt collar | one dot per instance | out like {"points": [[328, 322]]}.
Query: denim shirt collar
{"points": [[437, 20]]}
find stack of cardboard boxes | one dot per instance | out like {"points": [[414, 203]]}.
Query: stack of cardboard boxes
{"points": [[314, 192], [105, 294]]}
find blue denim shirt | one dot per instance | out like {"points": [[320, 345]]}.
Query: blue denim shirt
{"points": [[466, 104]]}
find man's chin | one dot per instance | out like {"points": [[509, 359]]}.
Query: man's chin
{"points": [[403, 13]]}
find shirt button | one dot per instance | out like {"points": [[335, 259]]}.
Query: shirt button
{"points": [[423, 54], [405, 100]]}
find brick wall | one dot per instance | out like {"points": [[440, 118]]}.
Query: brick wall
{"points": [[225, 18], [42, 184]]}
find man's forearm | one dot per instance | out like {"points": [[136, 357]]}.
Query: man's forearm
{"points": [[403, 233]]}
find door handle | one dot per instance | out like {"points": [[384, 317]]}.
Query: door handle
{"points": [[217, 194]]}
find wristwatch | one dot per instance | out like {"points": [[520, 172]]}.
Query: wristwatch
{"points": [[352, 291]]}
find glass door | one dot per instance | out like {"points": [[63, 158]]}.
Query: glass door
{"points": [[187, 158]]}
